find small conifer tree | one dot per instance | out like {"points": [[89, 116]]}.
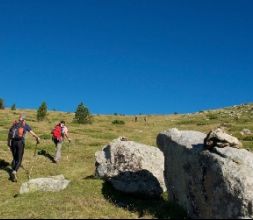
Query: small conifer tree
{"points": [[13, 107], [42, 112], [82, 114], [2, 104]]}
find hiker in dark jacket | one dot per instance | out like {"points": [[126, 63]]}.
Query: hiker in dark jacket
{"points": [[16, 142]]}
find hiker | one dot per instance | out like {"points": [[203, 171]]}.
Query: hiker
{"points": [[145, 119], [58, 134], [135, 118], [16, 143]]}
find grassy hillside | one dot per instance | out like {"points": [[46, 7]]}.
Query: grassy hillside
{"points": [[87, 197]]}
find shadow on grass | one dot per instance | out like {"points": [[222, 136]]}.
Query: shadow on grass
{"points": [[91, 177], [6, 167], [159, 208], [47, 155]]}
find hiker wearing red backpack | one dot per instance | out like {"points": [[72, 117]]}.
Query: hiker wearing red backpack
{"points": [[58, 134], [16, 142]]}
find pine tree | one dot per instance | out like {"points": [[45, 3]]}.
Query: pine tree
{"points": [[2, 104], [42, 112], [13, 107], [82, 114]]}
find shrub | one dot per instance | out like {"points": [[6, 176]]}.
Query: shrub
{"points": [[118, 122], [82, 114], [42, 112], [212, 116]]}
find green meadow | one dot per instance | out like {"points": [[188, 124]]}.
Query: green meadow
{"points": [[87, 196]]}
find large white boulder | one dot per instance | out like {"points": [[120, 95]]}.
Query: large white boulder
{"points": [[208, 184], [132, 167]]}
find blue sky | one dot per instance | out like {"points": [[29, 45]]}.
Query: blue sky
{"points": [[127, 56]]}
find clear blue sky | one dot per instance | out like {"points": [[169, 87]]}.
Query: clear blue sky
{"points": [[126, 56]]}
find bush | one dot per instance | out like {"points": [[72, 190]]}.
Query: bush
{"points": [[118, 122], [82, 114], [42, 112], [212, 116], [2, 104]]}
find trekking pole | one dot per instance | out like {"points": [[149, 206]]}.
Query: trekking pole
{"points": [[26, 171], [68, 151], [36, 147], [34, 157]]}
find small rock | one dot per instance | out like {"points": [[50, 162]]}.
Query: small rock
{"points": [[246, 132], [218, 138], [49, 184], [123, 138]]}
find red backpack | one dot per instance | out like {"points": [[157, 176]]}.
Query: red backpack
{"points": [[57, 132]]}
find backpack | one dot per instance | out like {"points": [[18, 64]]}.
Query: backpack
{"points": [[57, 132], [17, 131]]}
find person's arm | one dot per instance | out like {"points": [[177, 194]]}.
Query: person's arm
{"points": [[65, 133], [35, 136], [9, 141], [29, 129], [67, 136]]}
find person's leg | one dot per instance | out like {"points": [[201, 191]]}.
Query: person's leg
{"points": [[13, 151], [58, 152], [19, 153]]}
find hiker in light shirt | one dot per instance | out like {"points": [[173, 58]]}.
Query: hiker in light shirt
{"points": [[59, 133]]}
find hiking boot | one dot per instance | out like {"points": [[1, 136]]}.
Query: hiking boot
{"points": [[14, 176]]}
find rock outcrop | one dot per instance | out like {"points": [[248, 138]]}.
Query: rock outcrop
{"points": [[219, 138], [216, 183], [132, 167], [49, 184]]}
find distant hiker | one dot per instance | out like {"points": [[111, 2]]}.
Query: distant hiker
{"points": [[136, 119], [16, 142], [58, 134], [145, 119]]}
